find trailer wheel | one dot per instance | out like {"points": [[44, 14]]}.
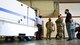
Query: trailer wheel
{"points": [[78, 35], [29, 38]]}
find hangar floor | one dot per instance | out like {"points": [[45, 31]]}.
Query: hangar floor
{"points": [[44, 42]]}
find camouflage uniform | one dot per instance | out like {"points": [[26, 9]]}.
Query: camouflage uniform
{"points": [[59, 25], [49, 29]]}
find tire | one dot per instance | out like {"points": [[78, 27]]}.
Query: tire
{"points": [[9, 37], [78, 35], [29, 38]]}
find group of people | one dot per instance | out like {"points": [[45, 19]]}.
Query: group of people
{"points": [[70, 27], [51, 27]]}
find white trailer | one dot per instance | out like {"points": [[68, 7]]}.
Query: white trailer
{"points": [[16, 18]]}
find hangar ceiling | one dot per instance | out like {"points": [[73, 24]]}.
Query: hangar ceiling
{"points": [[47, 7], [61, 1]]}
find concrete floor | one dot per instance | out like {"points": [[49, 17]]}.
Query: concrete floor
{"points": [[44, 42]]}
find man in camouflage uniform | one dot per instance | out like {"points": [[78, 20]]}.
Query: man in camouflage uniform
{"points": [[49, 26], [59, 26]]}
